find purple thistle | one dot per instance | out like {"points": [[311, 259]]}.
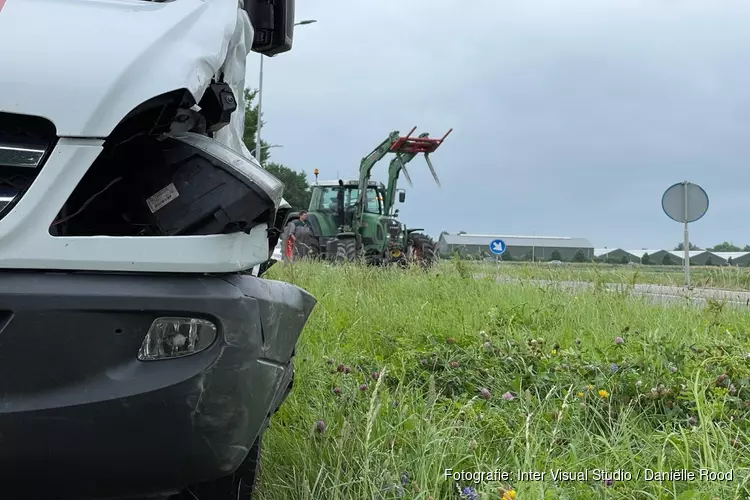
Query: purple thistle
{"points": [[619, 340], [509, 396]]}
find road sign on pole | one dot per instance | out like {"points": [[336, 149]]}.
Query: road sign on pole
{"points": [[685, 202], [497, 247]]}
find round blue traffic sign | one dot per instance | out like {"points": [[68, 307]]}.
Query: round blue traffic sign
{"points": [[497, 247]]}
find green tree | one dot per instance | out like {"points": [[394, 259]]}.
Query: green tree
{"points": [[730, 261], [296, 187], [726, 246], [579, 256], [646, 259], [506, 255], [709, 262], [624, 259], [555, 255], [681, 246], [667, 260], [251, 127]]}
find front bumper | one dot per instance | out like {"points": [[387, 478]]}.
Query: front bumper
{"points": [[82, 416]]}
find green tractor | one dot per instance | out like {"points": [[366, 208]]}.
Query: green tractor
{"points": [[355, 219]]}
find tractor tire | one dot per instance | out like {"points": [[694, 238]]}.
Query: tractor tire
{"points": [[421, 250], [346, 250], [306, 244]]}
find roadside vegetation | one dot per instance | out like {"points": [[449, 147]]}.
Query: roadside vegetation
{"points": [[404, 374]]}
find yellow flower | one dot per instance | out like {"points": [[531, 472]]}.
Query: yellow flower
{"points": [[589, 387], [509, 495], [603, 393], [554, 351], [580, 394]]}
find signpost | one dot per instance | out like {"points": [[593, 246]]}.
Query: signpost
{"points": [[497, 247], [685, 202]]}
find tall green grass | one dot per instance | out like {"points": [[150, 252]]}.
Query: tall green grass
{"points": [[402, 374]]}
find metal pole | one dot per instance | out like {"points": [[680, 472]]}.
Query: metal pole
{"points": [[687, 237], [260, 102], [260, 95]]}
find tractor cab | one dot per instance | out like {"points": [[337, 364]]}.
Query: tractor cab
{"points": [[333, 205]]}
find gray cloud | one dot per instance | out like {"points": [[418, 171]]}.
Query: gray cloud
{"points": [[570, 118]]}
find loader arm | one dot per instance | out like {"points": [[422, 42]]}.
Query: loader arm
{"points": [[365, 168], [404, 147]]}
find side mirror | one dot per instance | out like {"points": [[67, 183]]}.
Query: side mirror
{"points": [[273, 23], [401, 196]]}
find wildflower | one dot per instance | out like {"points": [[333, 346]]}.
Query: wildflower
{"points": [[337, 390], [673, 369], [692, 421], [614, 368], [639, 383], [509, 396], [473, 444], [509, 495], [454, 364], [320, 425], [375, 375], [486, 394], [603, 394], [619, 340], [470, 493], [609, 482], [580, 394], [589, 387], [450, 340], [340, 368], [732, 389], [554, 352], [363, 387], [347, 369]]}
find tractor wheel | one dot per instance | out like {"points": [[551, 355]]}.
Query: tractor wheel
{"points": [[306, 244], [346, 250], [421, 250]]}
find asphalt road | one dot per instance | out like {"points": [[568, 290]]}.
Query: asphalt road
{"points": [[660, 294]]}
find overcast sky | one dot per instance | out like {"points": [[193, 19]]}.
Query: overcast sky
{"points": [[570, 117]]}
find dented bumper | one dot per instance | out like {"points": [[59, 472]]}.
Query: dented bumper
{"points": [[82, 415]]}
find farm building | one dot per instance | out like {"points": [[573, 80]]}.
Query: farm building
{"points": [[621, 255], [518, 247]]}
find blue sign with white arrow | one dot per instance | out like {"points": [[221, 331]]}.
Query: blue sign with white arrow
{"points": [[497, 247]]}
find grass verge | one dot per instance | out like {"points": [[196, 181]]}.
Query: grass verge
{"points": [[402, 375]]}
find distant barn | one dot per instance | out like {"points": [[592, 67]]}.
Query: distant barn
{"points": [[518, 247]]}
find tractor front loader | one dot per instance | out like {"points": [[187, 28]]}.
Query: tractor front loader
{"points": [[353, 219]]}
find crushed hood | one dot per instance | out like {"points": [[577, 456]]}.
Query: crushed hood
{"points": [[84, 64]]}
